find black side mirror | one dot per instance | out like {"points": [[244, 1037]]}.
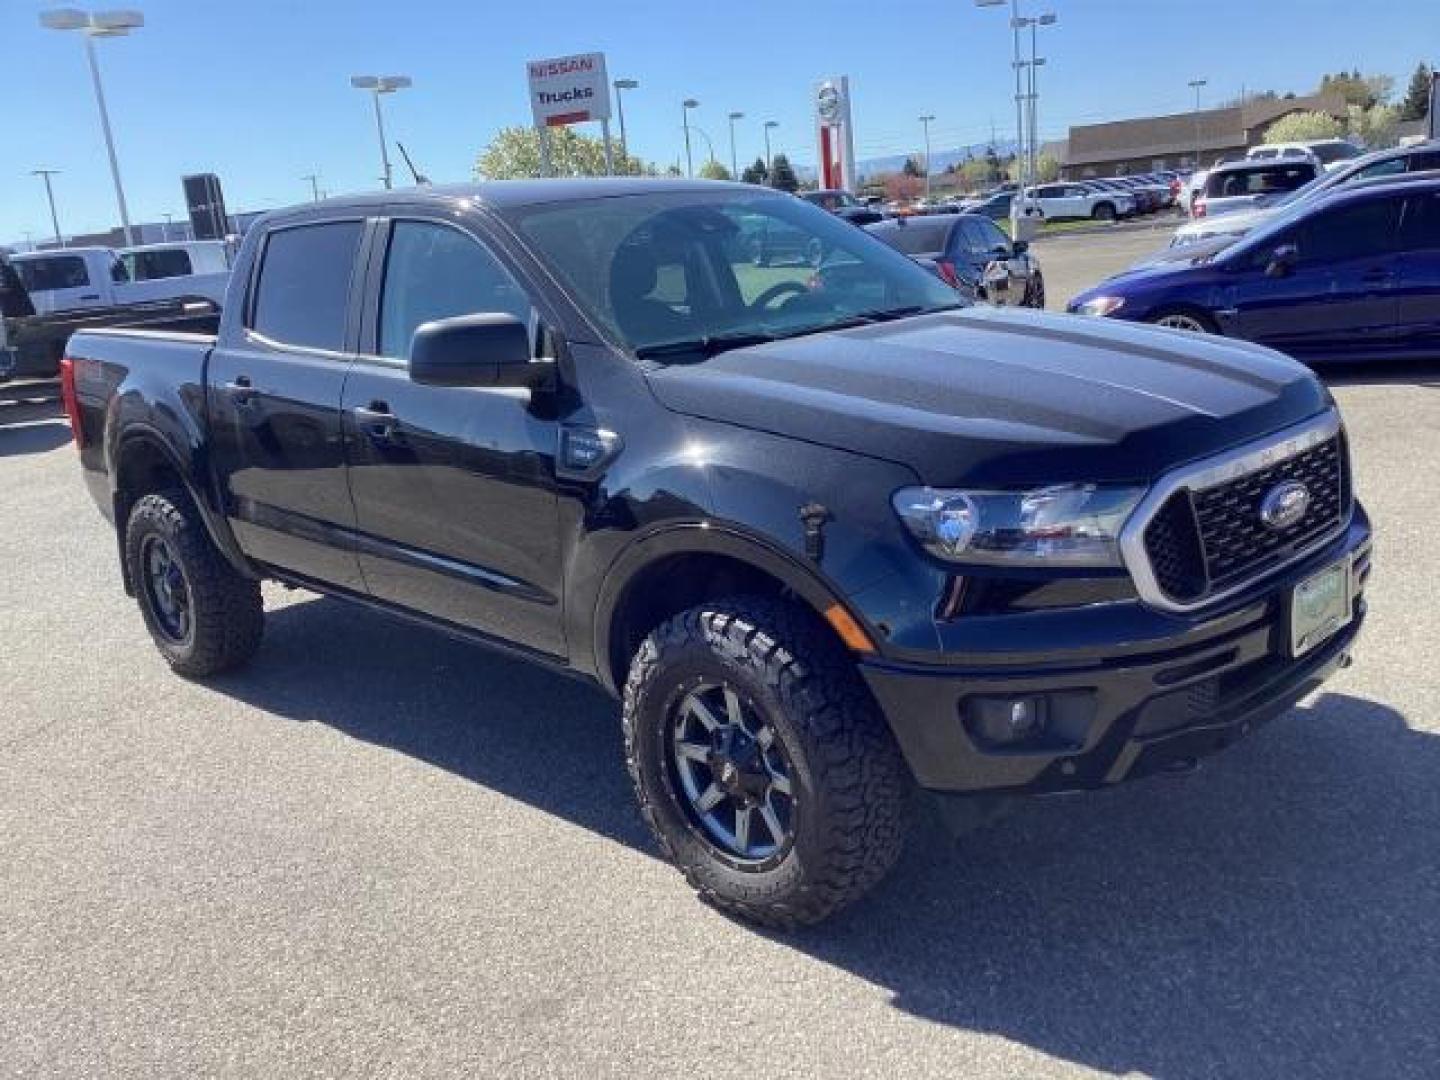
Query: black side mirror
{"points": [[477, 350], [1019, 247], [1282, 261]]}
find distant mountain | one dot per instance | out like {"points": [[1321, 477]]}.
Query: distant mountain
{"points": [[943, 158]]}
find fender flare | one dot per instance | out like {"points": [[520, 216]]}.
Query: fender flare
{"points": [[215, 526], [702, 538]]}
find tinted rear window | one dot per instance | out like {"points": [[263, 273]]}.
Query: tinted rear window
{"points": [[154, 265], [1259, 180], [304, 284], [916, 236], [54, 272]]}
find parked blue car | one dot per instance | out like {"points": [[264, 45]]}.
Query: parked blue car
{"points": [[1351, 276]]}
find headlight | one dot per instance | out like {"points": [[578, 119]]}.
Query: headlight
{"points": [[1068, 525], [1101, 305]]}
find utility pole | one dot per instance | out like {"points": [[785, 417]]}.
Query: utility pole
{"points": [[925, 122], [1196, 84], [314, 186], [45, 175]]}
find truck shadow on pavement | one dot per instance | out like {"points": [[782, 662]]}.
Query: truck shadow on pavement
{"points": [[1277, 914], [31, 438]]}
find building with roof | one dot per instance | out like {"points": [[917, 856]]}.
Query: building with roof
{"points": [[1172, 142]]}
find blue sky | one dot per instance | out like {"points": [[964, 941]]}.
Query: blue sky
{"points": [[258, 91]]}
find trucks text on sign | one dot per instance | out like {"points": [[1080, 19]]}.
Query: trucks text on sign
{"points": [[569, 90]]}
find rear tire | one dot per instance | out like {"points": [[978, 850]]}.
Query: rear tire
{"points": [[1035, 298], [203, 616], [775, 679], [1103, 211]]}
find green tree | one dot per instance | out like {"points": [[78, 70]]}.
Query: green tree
{"points": [[992, 162], [1356, 89], [975, 174], [756, 173], [1417, 98], [1375, 126], [782, 175], [1047, 168], [713, 170], [514, 153], [1303, 127]]}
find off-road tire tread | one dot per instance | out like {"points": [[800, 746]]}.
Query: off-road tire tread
{"points": [[226, 606], [866, 786]]}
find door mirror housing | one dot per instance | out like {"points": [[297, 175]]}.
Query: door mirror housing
{"points": [[488, 350], [1282, 261]]}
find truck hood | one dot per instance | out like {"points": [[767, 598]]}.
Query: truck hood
{"points": [[989, 396]]}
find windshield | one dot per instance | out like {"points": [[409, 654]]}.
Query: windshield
{"points": [[710, 268]]}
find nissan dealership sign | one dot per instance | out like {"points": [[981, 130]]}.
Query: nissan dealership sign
{"points": [[569, 90]]}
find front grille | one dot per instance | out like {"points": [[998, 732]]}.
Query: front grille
{"points": [[1208, 540]]}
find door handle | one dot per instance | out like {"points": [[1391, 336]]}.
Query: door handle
{"points": [[241, 390], [377, 421], [90, 296]]}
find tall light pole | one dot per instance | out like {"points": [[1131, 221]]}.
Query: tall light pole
{"points": [[93, 25], [621, 85], [1033, 97], [1023, 178], [734, 165], [45, 175], [1196, 84], [685, 107], [169, 220], [377, 85], [769, 160], [925, 122], [314, 179]]}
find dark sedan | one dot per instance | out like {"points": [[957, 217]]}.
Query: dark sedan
{"points": [[1351, 276], [971, 253]]}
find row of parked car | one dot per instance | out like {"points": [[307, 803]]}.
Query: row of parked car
{"points": [[1344, 267], [66, 279]]}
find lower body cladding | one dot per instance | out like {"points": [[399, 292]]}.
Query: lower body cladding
{"points": [[1050, 727]]}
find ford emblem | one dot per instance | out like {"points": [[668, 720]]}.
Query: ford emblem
{"points": [[1285, 504]]}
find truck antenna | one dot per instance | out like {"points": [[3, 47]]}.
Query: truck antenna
{"points": [[420, 178]]}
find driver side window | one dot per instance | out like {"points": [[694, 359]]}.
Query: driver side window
{"points": [[1351, 232], [435, 271]]}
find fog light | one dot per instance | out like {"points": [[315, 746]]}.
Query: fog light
{"points": [[997, 721]]}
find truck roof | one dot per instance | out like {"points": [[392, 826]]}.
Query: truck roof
{"points": [[505, 193]]}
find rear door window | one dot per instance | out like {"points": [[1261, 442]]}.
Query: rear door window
{"points": [[304, 289], [1260, 180], [1420, 230], [53, 272], [155, 265], [917, 235]]}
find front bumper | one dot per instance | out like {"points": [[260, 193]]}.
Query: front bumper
{"points": [[1125, 713]]}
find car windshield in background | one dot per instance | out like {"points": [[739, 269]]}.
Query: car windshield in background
{"points": [[1329, 153], [915, 236], [1264, 179], [711, 269]]}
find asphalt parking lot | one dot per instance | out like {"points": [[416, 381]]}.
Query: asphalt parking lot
{"points": [[379, 852]]}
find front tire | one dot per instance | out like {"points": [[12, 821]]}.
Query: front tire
{"points": [[761, 763], [1103, 212], [1036, 296], [203, 616], [1187, 319]]}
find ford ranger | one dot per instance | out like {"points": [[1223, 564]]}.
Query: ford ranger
{"points": [[831, 535]]}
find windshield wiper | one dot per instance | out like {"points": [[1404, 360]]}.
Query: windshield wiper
{"points": [[869, 318], [707, 345]]}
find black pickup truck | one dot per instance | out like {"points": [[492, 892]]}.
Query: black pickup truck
{"points": [[830, 534]]}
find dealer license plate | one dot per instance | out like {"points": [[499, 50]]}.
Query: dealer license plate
{"points": [[1319, 607]]}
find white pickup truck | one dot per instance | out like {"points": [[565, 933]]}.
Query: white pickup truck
{"points": [[90, 277]]}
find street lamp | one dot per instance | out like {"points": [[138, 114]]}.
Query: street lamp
{"points": [[377, 85], [1023, 178], [925, 122], [685, 107], [314, 179], [623, 84], [1033, 97], [1196, 84], [169, 220], [769, 161], [734, 164], [93, 25], [45, 175]]}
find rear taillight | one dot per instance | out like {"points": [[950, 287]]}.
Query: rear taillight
{"points": [[947, 272], [67, 395]]}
